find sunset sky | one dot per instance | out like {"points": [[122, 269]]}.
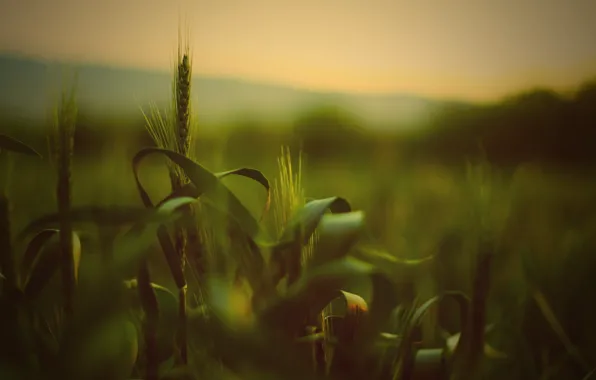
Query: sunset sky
{"points": [[473, 49]]}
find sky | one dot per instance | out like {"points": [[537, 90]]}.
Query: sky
{"points": [[468, 49]]}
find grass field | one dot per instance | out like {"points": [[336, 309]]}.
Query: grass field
{"points": [[340, 265], [544, 223]]}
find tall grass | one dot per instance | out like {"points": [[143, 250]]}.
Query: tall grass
{"points": [[266, 345], [289, 197], [176, 131]]}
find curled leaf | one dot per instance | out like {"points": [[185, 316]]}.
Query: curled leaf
{"points": [[318, 287], [190, 190], [304, 223], [405, 356], [207, 184], [48, 262], [404, 270], [32, 252], [110, 215], [429, 364], [489, 351], [285, 256], [130, 247], [338, 233], [14, 145], [168, 302]]}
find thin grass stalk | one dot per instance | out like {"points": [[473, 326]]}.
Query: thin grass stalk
{"points": [[7, 264], [7, 260], [150, 322], [470, 350], [16, 345], [64, 124]]}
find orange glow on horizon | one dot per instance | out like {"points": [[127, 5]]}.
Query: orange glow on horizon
{"points": [[463, 49]]}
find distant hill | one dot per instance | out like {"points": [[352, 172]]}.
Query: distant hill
{"points": [[27, 87]]}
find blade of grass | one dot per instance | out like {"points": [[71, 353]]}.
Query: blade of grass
{"points": [[558, 329], [14, 145], [108, 215]]}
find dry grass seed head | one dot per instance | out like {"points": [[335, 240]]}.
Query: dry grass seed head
{"points": [[288, 196]]}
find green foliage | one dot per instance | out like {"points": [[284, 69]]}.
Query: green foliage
{"points": [[326, 130], [259, 310]]}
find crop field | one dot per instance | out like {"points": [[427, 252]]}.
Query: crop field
{"points": [[166, 262]]}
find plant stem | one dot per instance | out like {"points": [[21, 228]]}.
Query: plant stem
{"points": [[151, 310], [7, 265], [66, 123]]}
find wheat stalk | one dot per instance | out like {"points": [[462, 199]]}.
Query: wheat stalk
{"points": [[61, 151], [176, 132], [182, 87]]}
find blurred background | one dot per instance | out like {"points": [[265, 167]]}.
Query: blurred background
{"points": [[387, 100]]}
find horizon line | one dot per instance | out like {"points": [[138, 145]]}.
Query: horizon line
{"points": [[566, 91]]}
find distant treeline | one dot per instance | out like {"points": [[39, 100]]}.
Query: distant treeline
{"points": [[539, 126]]}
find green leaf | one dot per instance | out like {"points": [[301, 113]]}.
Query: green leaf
{"points": [[207, 184], [110, 215], [452, 342], [167, 246], [102, 295], [245, 249], [462, 300], [14, 145], [32, 251], [556, 326], [168, 315], [285, 256], [403, 270], [131, 246], [429, 363], [48, 262], [304, 223], [190, 190], [236, 347], [168, 302], [228, 304], [255, 175], [337, 235], [109, 352], [405, 354], [321, 285]]}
